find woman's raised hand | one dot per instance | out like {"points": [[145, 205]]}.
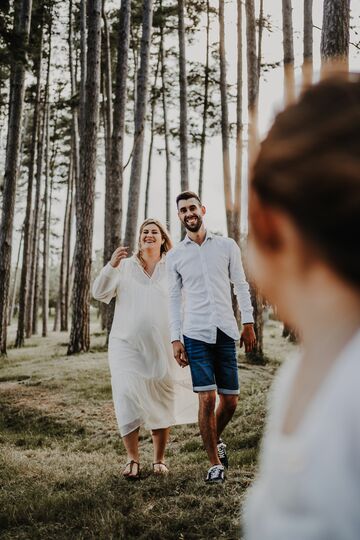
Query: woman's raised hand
{"points": [[119, 254]]}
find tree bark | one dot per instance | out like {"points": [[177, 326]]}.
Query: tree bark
{"points": [[225, 123], [288, 48], [108, 128], [308, 30], [206, 99], [184, 170], [260, 33], [252, 64], [26, 262], [80, 329], [307, 68], [165, 120], [117, 140], [335, 35], [46, 226], [153, 104], [35, 235], [13, 296], [142, 93], [239, 131], [21, 29]]}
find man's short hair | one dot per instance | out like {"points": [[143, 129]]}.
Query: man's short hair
{"points": [[185, 195]]}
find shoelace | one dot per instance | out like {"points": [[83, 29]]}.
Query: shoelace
{"points": [[221, 450], [214, 472]]}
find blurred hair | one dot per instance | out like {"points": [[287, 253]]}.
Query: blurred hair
{"points": [[185, 195], [309, 167], [165, 246]]}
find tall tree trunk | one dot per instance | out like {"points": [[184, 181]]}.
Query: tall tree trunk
{"points": [[35, 305], [335, 35], [46, 238], [83, 63], [288, 48], [165, 120], [117, 140], [108, 128], [308, 43], [239, 130], [75, 116], [17, 77], [225, 124], [253, 89], [153, 103], [80, 329], [252, 64], [64, 253], [206, 99], [142, 93], [35, 235], [13, 296], [184, 170], [260, 33], [26, 262]]}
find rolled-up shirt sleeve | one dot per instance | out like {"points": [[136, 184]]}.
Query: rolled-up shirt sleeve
{"points": [[105, 285], [175, 298], [241, 286]]}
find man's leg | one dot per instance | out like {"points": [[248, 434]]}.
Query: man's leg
{"points": [[224, 412], [207, 424]]}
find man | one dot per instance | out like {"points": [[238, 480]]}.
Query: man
{"points": [[200, 270]]}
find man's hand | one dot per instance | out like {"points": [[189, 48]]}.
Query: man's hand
{"points": [[180, 353], [119, 254], [248, 337]]}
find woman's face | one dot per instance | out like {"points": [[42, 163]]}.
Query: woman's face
{"points": [[150, 238]]}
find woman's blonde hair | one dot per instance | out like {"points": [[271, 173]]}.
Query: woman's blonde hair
{"points": [[167, 242]]}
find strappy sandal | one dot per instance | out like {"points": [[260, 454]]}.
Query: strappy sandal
{"points": [[129, 474], [160, 468]]}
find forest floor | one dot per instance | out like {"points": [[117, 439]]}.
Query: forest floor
{"points": [[61, 457]]}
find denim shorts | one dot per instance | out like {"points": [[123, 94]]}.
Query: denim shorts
{"points": [[213, 365]]}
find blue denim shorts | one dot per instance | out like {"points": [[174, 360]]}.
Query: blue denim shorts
{"points": [[213, 365]]}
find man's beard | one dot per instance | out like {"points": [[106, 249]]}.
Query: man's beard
{"points": [[197, 225]]}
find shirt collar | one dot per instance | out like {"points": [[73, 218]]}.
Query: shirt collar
{"points": [[208, 236]]}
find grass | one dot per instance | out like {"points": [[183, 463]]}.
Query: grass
{"points": [[61, 456]]}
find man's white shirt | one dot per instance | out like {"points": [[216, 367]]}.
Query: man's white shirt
{"points": [[199, 278]]}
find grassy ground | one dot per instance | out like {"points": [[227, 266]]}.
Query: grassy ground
{"points": [[61, 457]]}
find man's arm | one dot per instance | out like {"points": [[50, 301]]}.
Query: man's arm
{"points": [[175, 302], [241, 289], [174, 288]]}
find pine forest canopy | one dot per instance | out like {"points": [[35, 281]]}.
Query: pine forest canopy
{"points": [[109, 108]]}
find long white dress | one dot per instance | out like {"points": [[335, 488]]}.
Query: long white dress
{"points": [[149, 388]]}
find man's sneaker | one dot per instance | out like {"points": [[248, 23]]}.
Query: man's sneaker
{"points": [[221, 448], [215, 475]]}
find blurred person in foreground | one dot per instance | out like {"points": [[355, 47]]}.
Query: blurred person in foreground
{"points": [[148, 387], [304, 254]]}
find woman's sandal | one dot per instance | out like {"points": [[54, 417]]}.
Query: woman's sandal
{"points": [[160, 468], [128, 473]]}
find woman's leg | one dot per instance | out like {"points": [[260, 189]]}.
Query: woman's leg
{"points": [[131, 443], [160, 438]]}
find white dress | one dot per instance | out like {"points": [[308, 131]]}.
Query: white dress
{"points": [[149, 387], [308, 487]]}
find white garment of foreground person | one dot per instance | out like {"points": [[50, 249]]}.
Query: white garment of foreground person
{"points": [[309, 480], [148, 386]]}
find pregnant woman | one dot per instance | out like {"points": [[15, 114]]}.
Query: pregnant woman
{"points": [[149, 388]]}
